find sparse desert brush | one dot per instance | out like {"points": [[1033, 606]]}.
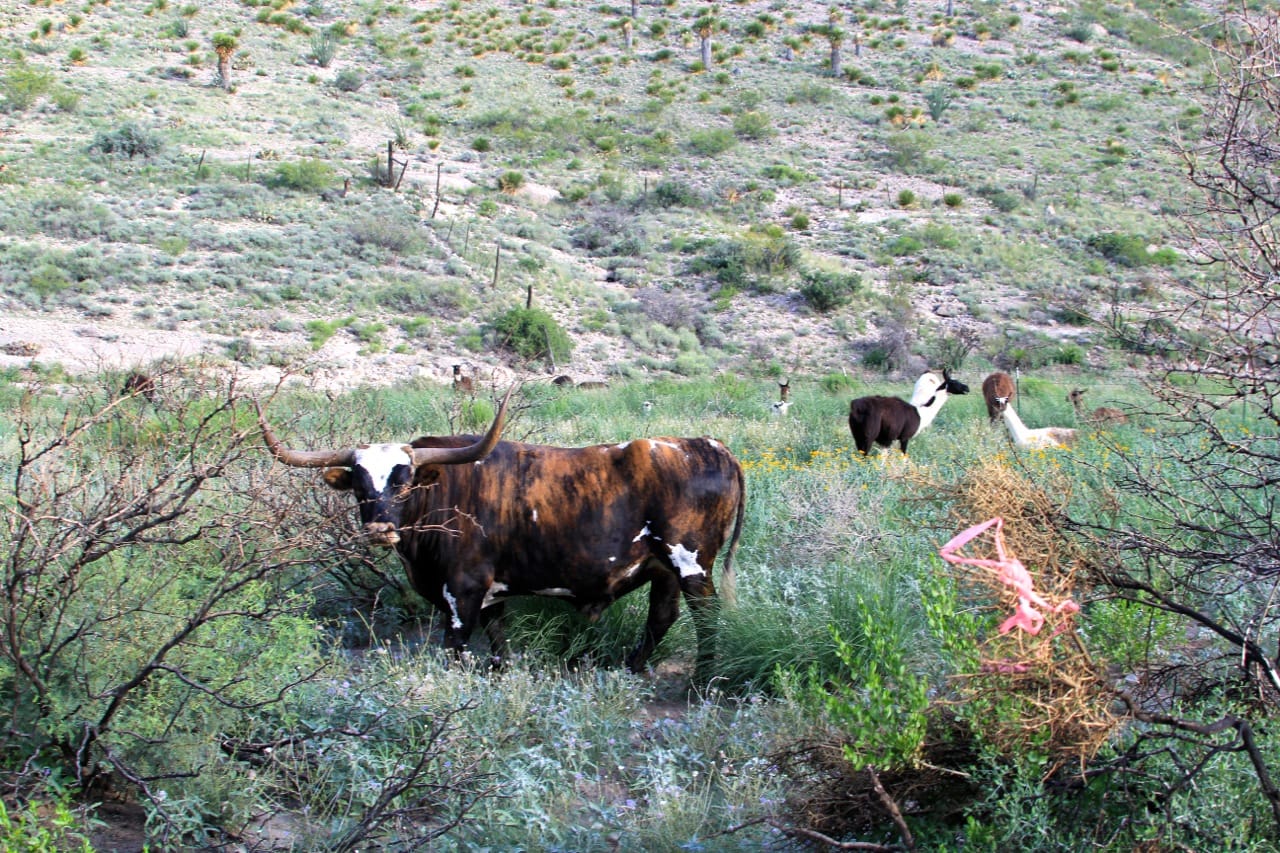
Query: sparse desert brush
{"points": [[307, 175]]}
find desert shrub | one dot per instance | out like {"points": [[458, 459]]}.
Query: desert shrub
{"points": [[1128, 250], [349, 80], [510, 181], [128, 139], [786, 175], [904, 245], [148, 599], [610, 232], [906, 198], [529, 331], [812, 93], [309, 175], [1000, 198], [324, 47], [710, 143], [826, 290], [320, 331], [443, 297], [750, 259], [1079, 31], [670, 192], [938, 100], [908, 151], [395, 234], [66, 100], [22, 85], [753, 125], [953, 200]]}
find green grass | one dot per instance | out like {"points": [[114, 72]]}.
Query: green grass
{"points": [[564, 738]]}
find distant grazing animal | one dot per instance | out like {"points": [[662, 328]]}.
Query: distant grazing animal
{"points": [[563, 380], [1100, 415], [461, 383], [140, 384], [1034, 439], [477, 520], [995, 386], [334, 195], [884, 420], [781, 405], [593, 384]]}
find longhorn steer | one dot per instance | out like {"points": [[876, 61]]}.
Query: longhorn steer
{"points": [[478, 520]]}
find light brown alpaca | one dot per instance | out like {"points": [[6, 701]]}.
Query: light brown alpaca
{"points": [[996, 386], [1100, 415]]}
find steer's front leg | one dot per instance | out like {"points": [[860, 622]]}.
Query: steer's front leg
{"points": [[461, 613]]}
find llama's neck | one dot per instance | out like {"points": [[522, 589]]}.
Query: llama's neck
{"points": [[1017, 429], [930, 411]]}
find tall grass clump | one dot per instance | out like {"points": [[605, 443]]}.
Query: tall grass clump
{"points": [[532, 333]]}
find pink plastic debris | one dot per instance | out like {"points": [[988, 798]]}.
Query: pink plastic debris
{"points": [[1009, 570]]}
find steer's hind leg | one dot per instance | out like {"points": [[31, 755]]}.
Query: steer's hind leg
{"points": [[491, 621], [664, 607], [704, 608]]}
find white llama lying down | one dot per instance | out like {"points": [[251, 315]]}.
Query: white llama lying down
{"points": [[1036, 439]]}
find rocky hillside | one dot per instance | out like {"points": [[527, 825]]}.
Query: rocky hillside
{"points": [[364, 192]]}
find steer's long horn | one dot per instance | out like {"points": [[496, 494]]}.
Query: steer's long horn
{"points": [[303, 458], [470, 453]]}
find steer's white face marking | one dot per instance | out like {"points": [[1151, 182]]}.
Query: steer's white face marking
{"points": [[453, 607], [380, 460], [685, 560], [491, 594]]}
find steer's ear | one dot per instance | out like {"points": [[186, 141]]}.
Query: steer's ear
{"points": [[337, 478]]}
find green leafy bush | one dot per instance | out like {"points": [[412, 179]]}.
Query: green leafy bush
{"points": [[826, 290], [307, 175], [709, 143], [1129, 250], [349, 80], [22, 85], [754, 126], [1000, 198], [128, 139], [786, 175], [529, 331], [670, 192], [750, 259], [510, 181]]}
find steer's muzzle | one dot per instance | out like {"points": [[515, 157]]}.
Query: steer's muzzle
{"points": [[382, 533]]}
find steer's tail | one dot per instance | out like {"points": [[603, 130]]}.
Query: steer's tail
{"points": [[728, 584]]}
